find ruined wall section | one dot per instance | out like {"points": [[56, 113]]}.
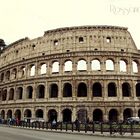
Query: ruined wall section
{"points": [[73, 39]]}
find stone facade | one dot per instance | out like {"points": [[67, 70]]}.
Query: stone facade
{"points": [[75, 72]]}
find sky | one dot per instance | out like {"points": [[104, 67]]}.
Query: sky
{"points": [[30, 18]]}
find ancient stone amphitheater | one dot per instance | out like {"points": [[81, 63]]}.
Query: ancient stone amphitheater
{"points": [[74, 72]]}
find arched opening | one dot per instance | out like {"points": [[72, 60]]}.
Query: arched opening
{"points": [[109, 65], [7, 76], [67, 90], [95, 65], [113, 115], [97, 90], [29, 92], [2, 77], [40, 91], [39, 113], [28, 113], [139, 113], [11, 94], [53, 91], [97, 115], [4, 95], [82, 115], [14, 73], [81, 40], [134, 67], [126, 90], [68, 66], [127, 113], [3, 114], [9, 114], [112, 90], [32, 70], [43, 69], [52, 115], [22, 72], [138, 90], [55, 67], [82, 65], [123, 66], [82, 90], [19, 93], [66, 115], [18, 114]]}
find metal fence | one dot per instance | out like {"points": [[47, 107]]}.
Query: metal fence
{"points": [[111, 128]]}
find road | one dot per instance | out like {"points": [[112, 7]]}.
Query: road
{"points": [[9, 133]]}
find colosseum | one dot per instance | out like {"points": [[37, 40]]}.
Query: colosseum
{"points": [[85, 72]]}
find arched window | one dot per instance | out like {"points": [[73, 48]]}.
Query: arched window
{"points": [[82, 90], [81, 65], [43, 69], [126, 90], [3, 114], [32, 70], [135, 67], [18, 114], [19, 92], [67, 90], [7, 76], [81, 40], [82, 115], [97, 90], [138, 90], [2, 77], [11, 94], [28, 113], [109, 65], [9, 114], [40, 91], [95, 65], [112, 90], [39, 113], [22, 72], [4, 95], [113, 115], [14, 73], [52, 115], [67, 115], [68, 66], [97, 115], [123, 66], [127, 113], [55, 67], [53, 91], [29, 92]]}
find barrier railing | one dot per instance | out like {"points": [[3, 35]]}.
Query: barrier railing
{"points": [[111, 128]]}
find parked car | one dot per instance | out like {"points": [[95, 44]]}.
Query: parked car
{"points": [[134, 120]]}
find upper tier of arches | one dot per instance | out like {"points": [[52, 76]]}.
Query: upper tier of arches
{"points": [[68, 66]]}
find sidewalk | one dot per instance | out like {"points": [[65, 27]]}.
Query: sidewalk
{"points": [[105, 134]]}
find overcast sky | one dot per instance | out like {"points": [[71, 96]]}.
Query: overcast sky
{"points": [[30, 18]]}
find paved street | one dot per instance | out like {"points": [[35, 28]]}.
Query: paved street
{"points": [[9, 133]]}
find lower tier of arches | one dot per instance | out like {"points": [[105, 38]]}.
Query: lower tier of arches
{"points": [[71, 112]]}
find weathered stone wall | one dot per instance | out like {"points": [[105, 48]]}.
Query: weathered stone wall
{"points": [[86, 43]]}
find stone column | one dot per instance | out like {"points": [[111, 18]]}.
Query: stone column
{"points": [[34, 92], [133, 91], [105, 90], [89, 89], [74, 114], [60, 91], [59, 114]]}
